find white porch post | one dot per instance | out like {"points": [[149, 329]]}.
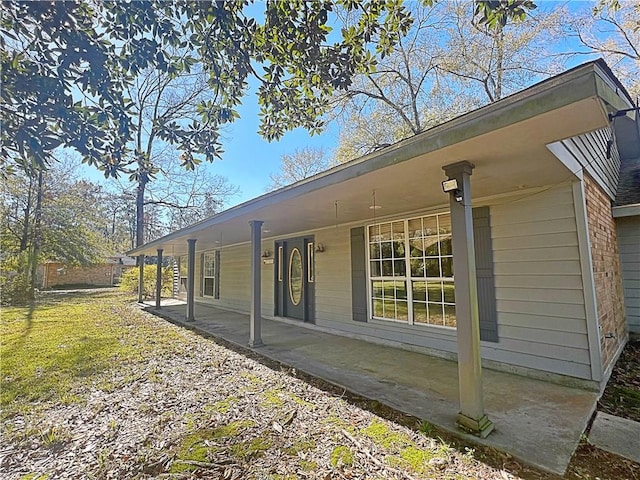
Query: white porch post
{"points": [[191, 278], [159, 279], [471, 417], [140, 278], [255, 334]]}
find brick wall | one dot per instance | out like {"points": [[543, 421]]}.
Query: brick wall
{"points": [[606, 271], [59, 274]]}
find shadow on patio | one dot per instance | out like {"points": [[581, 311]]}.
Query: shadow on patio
{"points": [[536, 421]]}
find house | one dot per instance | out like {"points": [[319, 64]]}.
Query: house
{"points": [[106, 273], [506, 237]]}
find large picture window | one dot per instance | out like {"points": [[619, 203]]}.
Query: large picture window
{"points": [[209, 274], [411, 271]]}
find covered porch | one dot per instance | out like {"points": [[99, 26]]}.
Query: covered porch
{"points": [[536, 421]]}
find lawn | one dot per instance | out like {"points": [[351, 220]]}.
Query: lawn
{"points": [[93, 387]]}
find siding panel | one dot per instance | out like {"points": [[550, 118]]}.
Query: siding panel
{"points": [[541, 313]]}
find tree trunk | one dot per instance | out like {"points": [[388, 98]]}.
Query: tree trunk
{"points": [[35, 249], [24, 239], [499, 65]]}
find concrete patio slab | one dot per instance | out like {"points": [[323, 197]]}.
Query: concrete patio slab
{"points": [[537, 422], [616, 435]]}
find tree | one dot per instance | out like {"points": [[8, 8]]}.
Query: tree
{"points": [[65, 80], [612, 29], [450, 62], [301, 164], [49, 215]]}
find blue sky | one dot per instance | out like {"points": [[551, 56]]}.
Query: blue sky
{"points": [[249, 159]]}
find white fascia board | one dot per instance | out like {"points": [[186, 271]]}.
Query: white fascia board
{"points": [[626, 210]]}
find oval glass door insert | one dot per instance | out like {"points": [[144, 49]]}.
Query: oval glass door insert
{"points": [[295, 276]]}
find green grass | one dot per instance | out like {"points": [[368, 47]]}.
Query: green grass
{"points": [[50, 350]]}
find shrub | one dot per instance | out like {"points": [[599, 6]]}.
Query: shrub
{"points": [[129, 281], [15, 289]]}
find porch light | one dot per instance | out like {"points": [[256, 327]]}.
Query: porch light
{"points": [[266, 254], [319, 247], [451, 186]]}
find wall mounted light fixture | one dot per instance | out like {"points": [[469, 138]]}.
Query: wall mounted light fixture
{"points": [[266, 254], [319, 247], [451, 186]]}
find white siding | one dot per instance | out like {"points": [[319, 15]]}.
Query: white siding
{"points": [[629, 246], [540, 299], [590, 150]]}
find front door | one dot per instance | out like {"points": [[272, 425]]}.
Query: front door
{"points": [[294, 278]]}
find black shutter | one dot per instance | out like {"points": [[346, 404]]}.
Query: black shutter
{"points": [[358, 275], [484, 275], [216, 272]]}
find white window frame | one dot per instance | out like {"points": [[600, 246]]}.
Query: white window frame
{"points": [[211, 270], [408, 279]]}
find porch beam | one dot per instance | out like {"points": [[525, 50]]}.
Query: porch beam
{"points": [[471, 417], [140, 278], [158, 278], [255, 333], [191, 278]]}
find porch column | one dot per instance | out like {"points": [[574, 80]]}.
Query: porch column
{"points": [[140, 278], [471, 417], [255, 334], [191, 278], [159, 279]]}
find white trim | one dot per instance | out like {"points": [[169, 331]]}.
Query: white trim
{"points": [[588, 285], [631, 210], [565, 156]]}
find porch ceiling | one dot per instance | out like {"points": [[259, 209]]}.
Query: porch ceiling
{"points": [[506, 141], [508, 159]]}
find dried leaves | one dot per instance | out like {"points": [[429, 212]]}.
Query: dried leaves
{"points": [[193, 408]]}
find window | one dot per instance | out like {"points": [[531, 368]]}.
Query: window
{"points": [[209, 277], [182, 269], [411, 271]]}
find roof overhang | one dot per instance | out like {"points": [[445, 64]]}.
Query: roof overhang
{"points": [[506, 141]]}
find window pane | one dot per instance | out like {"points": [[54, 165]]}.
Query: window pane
{"points": [[374, 251], [450, 316], [208, 287], [377, 289], [415, 228], [419, 312], [433, 267], [435, 313], [417, 267], [377, 307], [444, 224], [416, 247], [449, 292], [399, 268], [398, 230], [398, 249], [420, 291], [387, 268], [447, 267], [445, 246], [402, 310], [375, 269], [430, 226], [385, 231], [431, 246], [401, 290], [434, 290], [387, 251]]}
